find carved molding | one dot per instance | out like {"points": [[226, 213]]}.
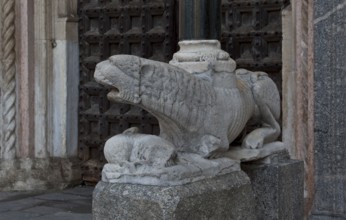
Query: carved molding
{"points": [[9, 80]]}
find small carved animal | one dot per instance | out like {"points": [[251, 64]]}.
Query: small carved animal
{"points": [[133, 149]]}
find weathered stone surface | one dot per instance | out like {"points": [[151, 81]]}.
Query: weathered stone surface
{"points": [[330, 101], [224, 197], [279, 189]]}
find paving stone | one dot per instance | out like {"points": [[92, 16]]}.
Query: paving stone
{"points": [[86, 191], [9, 196], [71, 204], [59, 197], [19, 204], [14, 215], [83, 206], [43, 210], [65, 216]]}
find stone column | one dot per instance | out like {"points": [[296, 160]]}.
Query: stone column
{"points": [[199, 19], [330, 122]]}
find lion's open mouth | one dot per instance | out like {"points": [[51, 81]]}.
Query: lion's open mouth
{"points": [[115, 90], [113, 94]]}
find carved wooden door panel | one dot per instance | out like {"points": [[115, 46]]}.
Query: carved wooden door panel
{"points": [[140, 27], [251, 33]]}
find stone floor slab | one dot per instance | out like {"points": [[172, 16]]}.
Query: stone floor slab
{"points": [[65, 216], [81, 191], [21, 204], [59, 197], [14, 215], [9, 196], [43, 210], [71, 204]]}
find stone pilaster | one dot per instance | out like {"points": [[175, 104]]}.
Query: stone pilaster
{"points": [[330, 121], [8, 78], [40, 148], [1, 87], [42, 20], [25, 79], [56, 78], [297, 89], [65, 79]]}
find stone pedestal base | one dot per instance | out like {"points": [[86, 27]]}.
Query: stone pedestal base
{"points": [[224, 197], [279, 189], [39, 174]]}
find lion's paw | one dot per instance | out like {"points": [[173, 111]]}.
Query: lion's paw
{"points": [[252, 142]]}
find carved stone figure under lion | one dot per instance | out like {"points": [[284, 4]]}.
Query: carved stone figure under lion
{"points": [[202, 104]]}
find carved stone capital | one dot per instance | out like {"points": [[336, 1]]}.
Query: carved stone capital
{"points": [[198, 55]]}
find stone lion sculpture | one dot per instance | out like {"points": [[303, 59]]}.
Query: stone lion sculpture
{"points": [[201, 101]]}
